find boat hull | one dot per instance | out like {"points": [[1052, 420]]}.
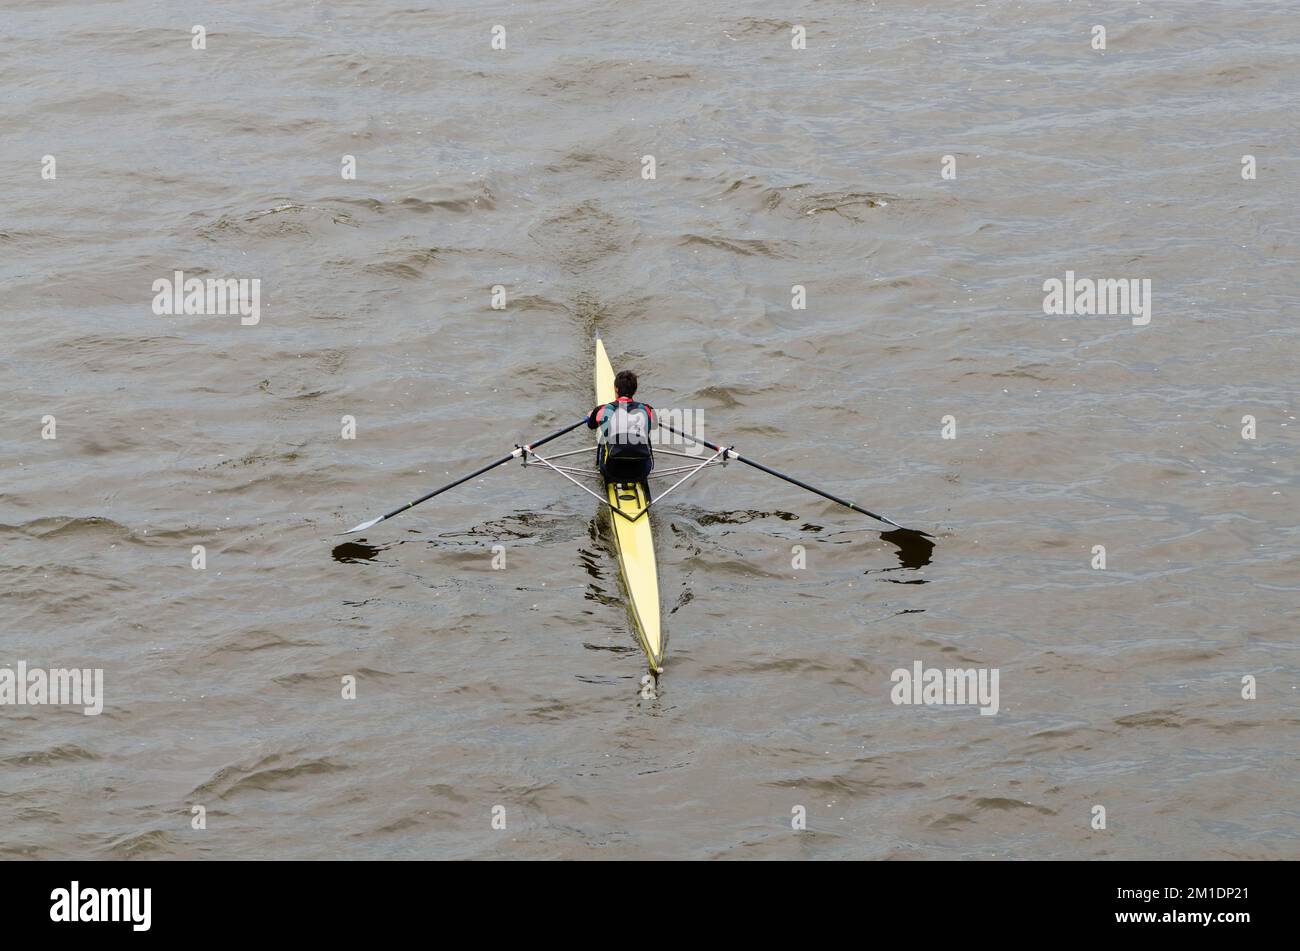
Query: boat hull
{"points": [[633, 539]]}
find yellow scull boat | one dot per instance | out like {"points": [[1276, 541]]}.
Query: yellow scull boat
{"points": [[629, 506], [633, 539]]}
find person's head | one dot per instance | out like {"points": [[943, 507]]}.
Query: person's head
{"points": [[625, 383]]}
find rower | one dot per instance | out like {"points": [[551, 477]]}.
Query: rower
{"points": [[623, 450]]}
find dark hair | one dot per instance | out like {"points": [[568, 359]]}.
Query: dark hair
{"points": [[625, 383]]}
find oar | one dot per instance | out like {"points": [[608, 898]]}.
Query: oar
{"points": [[519, 450], [732, 454]]}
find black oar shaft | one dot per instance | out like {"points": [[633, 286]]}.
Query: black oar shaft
{"points": [[487, 468], [473, 475], [450, 485], [781, 475]]}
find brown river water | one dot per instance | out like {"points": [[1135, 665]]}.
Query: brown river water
{"points": [[516, 694]]}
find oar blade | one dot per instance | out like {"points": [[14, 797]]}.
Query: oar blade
{"points": [[363, 526], [914, 531]]}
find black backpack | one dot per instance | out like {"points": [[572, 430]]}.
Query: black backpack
{"points": [[626, 427]]}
